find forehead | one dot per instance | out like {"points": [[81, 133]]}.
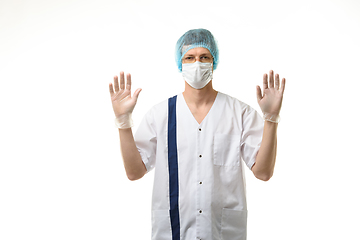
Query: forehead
{"points": [[198, 51]]}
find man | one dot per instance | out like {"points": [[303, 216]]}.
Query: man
{"points": [[196, 141]]}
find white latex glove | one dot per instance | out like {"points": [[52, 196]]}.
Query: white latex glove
{"points": [[122, 101], [270, 102]]}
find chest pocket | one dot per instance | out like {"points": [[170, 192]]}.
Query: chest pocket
{"points": [[227, 150]]}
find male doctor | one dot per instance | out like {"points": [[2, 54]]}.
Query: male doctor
{"points": [[197, 142]]}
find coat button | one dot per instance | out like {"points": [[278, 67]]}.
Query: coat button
{"points": [[200, 211]]}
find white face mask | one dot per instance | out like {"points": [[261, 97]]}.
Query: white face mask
{"points": [[197, 74]]}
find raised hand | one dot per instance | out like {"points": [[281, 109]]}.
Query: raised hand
{"points": [[270, 102], [121, 99]]}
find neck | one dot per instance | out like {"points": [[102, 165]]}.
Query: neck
{"points": [[199, 97]]}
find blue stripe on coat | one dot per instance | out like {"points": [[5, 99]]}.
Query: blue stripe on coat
{"points": [[173, 170]]}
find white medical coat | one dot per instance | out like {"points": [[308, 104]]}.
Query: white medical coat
{"points": [[212, 201]]}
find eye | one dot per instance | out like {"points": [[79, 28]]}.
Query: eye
{"points": [[205, 59]]}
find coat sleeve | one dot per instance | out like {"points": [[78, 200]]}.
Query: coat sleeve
{"points": [[146, 140], [253, 126]]}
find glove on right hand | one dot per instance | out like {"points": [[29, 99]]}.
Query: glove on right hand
{"points": [[122, 102]]}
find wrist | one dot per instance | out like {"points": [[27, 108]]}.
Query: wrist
{"points": [[269, 117], [124, 121]]}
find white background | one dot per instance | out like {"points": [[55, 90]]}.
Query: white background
{"points": [[61, 173]]}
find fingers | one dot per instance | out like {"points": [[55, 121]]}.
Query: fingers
{"points": [[277, 82], [111, 89], [271, 79], [282, 89], [136, 93], [273, 84], [116, 84], [128, 81], [265, 81], [258, 93], [122, 82]]}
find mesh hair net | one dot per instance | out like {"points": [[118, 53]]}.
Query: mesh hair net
{"points": [[193, 39]]}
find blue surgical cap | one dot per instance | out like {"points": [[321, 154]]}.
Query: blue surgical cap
{"points": [[193, 39]]}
